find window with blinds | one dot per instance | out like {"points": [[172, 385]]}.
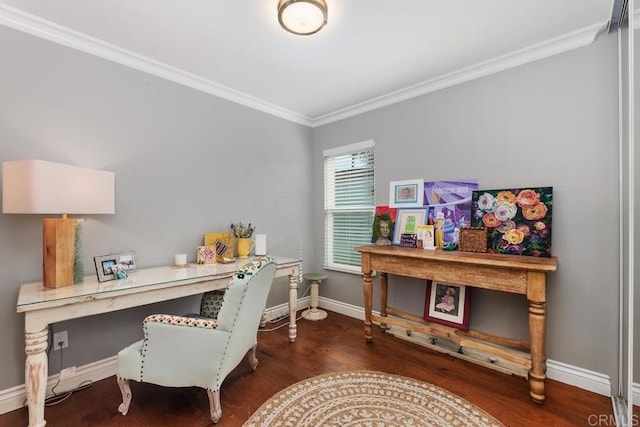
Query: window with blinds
{"points": [[349, 201]]}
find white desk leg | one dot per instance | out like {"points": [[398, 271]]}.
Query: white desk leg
{"points": [[35, 375], [293, 301]]}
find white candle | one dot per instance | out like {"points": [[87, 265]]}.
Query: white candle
{"points": [[180, 259], [261, 244]]}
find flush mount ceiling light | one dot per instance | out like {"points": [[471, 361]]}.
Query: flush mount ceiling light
{"points": [[302, 17]]}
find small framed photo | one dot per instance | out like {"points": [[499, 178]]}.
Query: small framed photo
{"points": [[406, 194], [447, 304], [407, 222], [206, 254], [128, 261], [105, 266]]}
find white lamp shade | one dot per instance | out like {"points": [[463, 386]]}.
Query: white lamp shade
{"points": [[40, 187]]}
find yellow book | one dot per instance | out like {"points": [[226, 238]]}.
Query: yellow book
{"points": [[426, 236]]}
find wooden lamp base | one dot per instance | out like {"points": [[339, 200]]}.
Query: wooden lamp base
{"points": [[62, 262]]}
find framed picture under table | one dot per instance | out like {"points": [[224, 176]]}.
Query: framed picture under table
{"points": [[447, 304], [407, 221]]}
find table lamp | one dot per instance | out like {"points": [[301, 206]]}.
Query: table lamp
{"points": [[40, 187]]}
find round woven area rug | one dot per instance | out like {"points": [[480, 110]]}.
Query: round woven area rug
{"points": [[367, 398]]}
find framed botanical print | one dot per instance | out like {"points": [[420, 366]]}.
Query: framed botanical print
{"points": [[447, 304]]}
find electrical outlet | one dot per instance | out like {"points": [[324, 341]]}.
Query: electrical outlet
{"points": [[60, 337]]}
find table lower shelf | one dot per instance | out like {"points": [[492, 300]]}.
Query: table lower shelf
{"points": [[501, 354]]}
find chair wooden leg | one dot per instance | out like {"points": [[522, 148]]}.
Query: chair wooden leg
{"points": [[126, 395], [214, 405], [251, 356]]}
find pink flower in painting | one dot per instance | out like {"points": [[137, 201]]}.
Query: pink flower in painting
{"points": [[528, 198], [535, 212], [506, 196], [490, 220], [505, 210], [514, 236], [506, 226]]}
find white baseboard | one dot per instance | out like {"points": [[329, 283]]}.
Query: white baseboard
{"points": [[579, 377], [15, 397], [282, 310]]}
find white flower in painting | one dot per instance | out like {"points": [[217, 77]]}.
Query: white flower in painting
{"points": [[505, 210], [486, 201]]}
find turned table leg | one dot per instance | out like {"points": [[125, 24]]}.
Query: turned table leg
{"points": [[367, 306], [35, 375], [293, 298], [536, 288], [383, 298]]}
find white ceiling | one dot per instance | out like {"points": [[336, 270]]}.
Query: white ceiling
{"points": [[371, 53]]}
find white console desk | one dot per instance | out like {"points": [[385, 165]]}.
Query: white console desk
{"points": [[44, 306]]}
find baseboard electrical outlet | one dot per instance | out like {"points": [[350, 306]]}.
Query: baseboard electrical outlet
{"points": [[68, 372]]}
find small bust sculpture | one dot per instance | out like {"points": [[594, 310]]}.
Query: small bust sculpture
{"points": [[383, 237]]}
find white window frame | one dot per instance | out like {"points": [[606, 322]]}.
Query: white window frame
{"points": [[330, 208]]}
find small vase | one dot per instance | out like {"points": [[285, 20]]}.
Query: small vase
{"points": [[245, 246]]}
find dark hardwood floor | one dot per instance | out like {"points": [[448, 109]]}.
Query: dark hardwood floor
{"points": [[333, 344]]}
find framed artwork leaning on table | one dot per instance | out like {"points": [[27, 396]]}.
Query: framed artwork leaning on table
{"points": [[447, 304], [407, 222]]}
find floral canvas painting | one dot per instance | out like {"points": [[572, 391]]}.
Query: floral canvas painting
{"points": [[518, 221]]}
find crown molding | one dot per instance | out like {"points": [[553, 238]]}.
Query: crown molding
{"points": [[31, 24], [36, 26], [564, 43]]}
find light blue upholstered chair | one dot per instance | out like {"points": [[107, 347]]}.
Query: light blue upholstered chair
{"points": [[180, 351]]}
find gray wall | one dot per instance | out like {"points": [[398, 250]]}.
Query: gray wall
{"points": [[549, 123], [185, 162]]}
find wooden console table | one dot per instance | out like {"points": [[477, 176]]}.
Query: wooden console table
{"points": [[507, 273], [43, 306]]}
